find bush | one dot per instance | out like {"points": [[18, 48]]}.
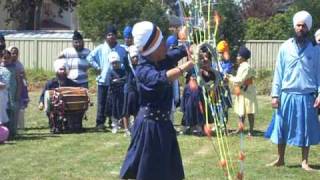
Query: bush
{"points": [[264, 82], [38, 77]]}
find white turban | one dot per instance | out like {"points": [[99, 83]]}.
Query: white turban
{"points": [[303, 16], [133, 51], [317, 33], [12, 47], [60, 63], [146, 37], [113, 57]]}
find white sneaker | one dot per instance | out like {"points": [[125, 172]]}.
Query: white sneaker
{"points": [[114, 130], [127, 133]]}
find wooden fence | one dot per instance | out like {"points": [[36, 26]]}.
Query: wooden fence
{"points": [[40, 53]]}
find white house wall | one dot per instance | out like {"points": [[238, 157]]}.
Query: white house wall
{"points": [[68, 17]]}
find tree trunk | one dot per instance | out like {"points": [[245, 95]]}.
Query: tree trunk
{"points": [[29, 15], [37, 14]]}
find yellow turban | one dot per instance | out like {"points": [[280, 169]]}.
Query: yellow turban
{"points": [[222, 47]]}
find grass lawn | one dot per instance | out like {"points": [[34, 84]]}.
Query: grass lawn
{"points": [[37, 154]]}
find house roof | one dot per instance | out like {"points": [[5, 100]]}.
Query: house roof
{"points": [[45, 34]]}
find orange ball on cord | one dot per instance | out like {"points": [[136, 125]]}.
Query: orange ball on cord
{"points": [[240, 126], [241, 156], [223, 163], [240, 176], [207, 130], [183, 33]]}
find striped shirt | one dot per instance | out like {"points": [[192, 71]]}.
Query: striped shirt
{"points": [[77, 64]]}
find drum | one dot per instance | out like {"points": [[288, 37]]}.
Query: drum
{"points": [[71, 99], [67, 107]]}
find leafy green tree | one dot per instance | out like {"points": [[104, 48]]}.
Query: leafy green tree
{"points": [[276, 27], [95, 15], [232, 24], [26, 13], [280, 25], [155, 12]]}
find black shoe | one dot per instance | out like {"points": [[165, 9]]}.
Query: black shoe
{"points": [[101, 127]]}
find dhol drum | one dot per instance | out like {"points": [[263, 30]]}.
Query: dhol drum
{"points": [[67, 107]]}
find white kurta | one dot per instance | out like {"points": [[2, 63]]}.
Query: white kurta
{"points": [[246, 102]]}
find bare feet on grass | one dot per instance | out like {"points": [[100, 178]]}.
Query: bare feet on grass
{"points": [[276, 163], [305, 166]]}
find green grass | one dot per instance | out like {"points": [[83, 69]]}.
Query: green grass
{"points": [[37, 154]]}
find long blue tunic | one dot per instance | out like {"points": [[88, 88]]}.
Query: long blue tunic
{"points": [[115, 96], [154, 151], [190, 106], [296, 82], [131, 96]]}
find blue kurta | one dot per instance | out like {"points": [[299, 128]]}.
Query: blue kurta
{"points": [[154, 151], [115, 96], [296, 82]]}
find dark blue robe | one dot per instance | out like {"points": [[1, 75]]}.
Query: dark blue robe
{"points": [[154, 151]]}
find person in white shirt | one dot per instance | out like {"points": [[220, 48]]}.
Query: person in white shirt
{"points": [[75, 58]]}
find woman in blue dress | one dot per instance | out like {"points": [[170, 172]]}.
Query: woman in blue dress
{"points": [[192, 106], [154, 151]]}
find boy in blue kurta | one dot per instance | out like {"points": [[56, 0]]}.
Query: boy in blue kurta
{"points": [[154, 151], [131, 95], [117, 78], [295, 86]]}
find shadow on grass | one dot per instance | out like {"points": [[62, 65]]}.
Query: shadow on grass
{"points": [[314, 166], [36, 128], [84, 130], [25, 136], [256, 133], [30, 137]]}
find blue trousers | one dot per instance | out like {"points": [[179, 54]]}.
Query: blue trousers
{"points": [[102, 101]]}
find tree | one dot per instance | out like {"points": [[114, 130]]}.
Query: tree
{"points": [[95, 15], [232, 24], [280, 25], [261, 9], [26, 14], [155, 12], [277, 27]]}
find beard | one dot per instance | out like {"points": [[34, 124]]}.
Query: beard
{"points": [[301, 36]]}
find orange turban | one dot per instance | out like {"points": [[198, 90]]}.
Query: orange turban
{"points": [[222, 47]]}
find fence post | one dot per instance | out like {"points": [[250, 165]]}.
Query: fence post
{"points": [[36, 52]]}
